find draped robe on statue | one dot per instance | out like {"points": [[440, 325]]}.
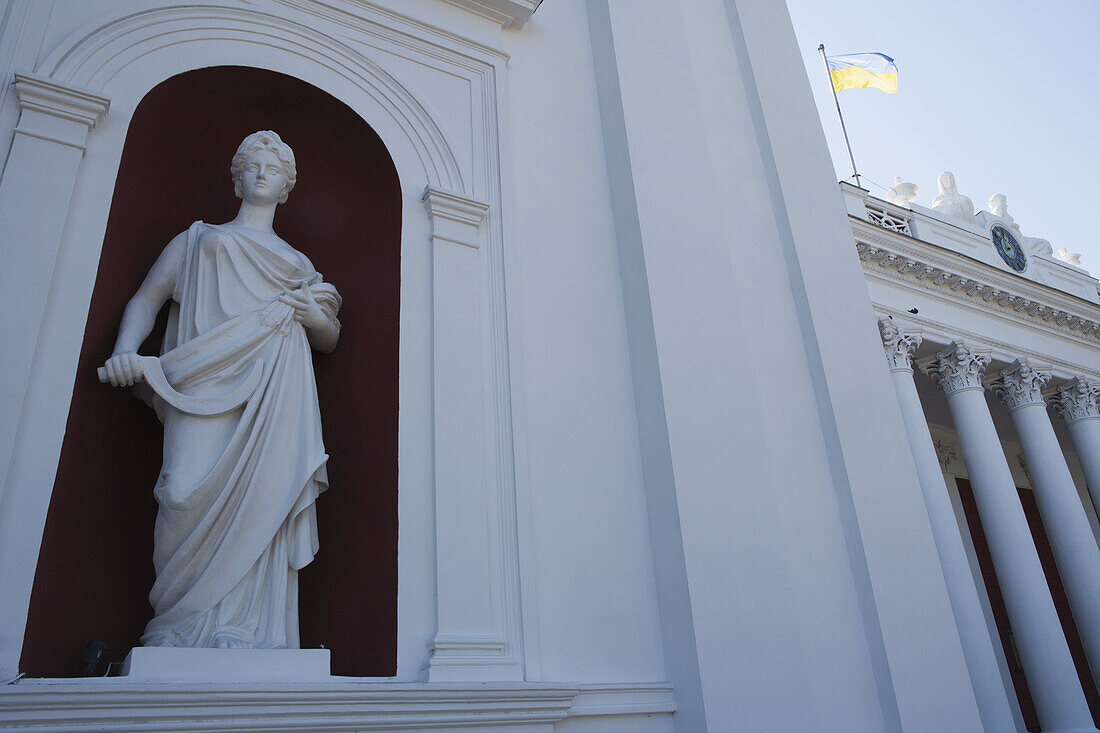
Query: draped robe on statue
{"points": [[236, 519]]}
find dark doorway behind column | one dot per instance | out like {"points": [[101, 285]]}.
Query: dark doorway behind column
{"points": [[1000, 612], [95, 568]]}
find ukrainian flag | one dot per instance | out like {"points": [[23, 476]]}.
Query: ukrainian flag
{"points": [[862, 70]]}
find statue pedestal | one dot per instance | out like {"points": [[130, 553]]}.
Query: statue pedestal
{"points": [[175, 664]]}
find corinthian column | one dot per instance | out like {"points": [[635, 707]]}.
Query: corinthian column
{"points": [[994, 706], [1075, 550], [1056, 690], [1078, 403]]}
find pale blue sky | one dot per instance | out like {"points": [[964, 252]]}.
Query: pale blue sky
{"points": [[1004, 94]]}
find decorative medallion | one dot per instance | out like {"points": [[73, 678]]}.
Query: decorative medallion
{"points": [[1008, 248]]}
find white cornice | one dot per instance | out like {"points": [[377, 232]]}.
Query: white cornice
{"points": [[509, 13], [106, 705], [906, 260]]}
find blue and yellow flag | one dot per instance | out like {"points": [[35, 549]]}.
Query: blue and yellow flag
{"points": [[862, 70]]}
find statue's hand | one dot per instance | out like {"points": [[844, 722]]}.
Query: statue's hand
{"points": [[123, 370], [306, 309]]}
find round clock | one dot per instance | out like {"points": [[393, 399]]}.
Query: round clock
{"points": [[1008, 248]]}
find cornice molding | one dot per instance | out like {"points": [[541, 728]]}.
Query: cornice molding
{"points": [[509, 13], [987, 291], [107, 705], [43, 102]]}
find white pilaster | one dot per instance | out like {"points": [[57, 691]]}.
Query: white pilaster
{"points": [[994, 705], [470, 641], [35, 192], [1056, 690], [1071, 538], [1078, 403]]}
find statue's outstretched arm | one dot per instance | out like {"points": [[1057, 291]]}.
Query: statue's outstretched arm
{"points": [[141, 312]]}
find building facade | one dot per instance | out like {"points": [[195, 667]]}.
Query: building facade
{"points": [[969, 307], [612, 443]]}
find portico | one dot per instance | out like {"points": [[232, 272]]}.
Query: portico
{"points": [[1004, 435]]}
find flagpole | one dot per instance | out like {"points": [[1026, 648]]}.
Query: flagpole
{"points": [[855, 173]]}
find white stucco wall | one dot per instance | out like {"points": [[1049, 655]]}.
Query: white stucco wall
{"points": [[668, 473]]}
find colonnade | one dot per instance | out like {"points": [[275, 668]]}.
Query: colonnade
{"points": [[960, 371]]}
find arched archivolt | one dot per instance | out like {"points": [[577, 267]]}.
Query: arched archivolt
{"points": [[96, 55]]}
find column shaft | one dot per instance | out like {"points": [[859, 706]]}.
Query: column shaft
{"points": [[1086, 439], [1078, 402], [1075, 551], [994, 705], [1055, 688]]}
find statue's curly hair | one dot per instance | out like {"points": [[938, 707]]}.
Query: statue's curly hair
{"points": [[264, 140]]}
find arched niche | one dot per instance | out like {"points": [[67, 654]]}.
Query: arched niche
{"points": [[94, 569]]}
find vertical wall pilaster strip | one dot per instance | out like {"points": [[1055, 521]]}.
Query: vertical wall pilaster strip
{"points": [[35, 194], [470, 641]]}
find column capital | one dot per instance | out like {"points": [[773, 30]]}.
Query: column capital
{"points": [[1020, 384], [57, 112], [900, 345], [1077, 399], [957, 368]]}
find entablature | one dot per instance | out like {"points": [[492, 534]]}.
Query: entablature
{"points": [[889, 255]]}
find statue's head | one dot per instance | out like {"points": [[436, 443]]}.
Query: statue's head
{"points": [[264, 140], [998, 204], [947, 182]]}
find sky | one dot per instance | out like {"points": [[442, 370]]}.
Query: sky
{"points": [[1006, 95]]}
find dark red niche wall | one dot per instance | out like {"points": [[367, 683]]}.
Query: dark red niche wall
{"points": [[95, 567]]}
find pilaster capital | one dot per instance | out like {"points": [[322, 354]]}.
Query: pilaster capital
{"points": [[1077, 399], [455, 218], [900, 345], [957, 368], [1020, 384], [56, 112]]}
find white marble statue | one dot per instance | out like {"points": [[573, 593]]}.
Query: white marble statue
{"points": [[998, 206], [234, 387], [1070, 258], [902, 193], [950, 202]]}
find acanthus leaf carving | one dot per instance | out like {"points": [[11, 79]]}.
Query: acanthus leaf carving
{"points": [[1020, 384], [958, 367], [1077, 399]]}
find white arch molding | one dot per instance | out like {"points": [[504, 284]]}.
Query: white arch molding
{"points": [[458, 555]]}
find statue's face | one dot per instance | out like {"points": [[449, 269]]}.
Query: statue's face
{"points": [[263, 179]]}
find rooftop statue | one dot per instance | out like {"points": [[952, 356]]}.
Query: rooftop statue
{"points": [[1070, 258], [998, 206], [950, 202], [902, 193], [234, 386]]}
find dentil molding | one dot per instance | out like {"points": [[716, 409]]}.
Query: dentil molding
{"points": [[987, 293]]}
